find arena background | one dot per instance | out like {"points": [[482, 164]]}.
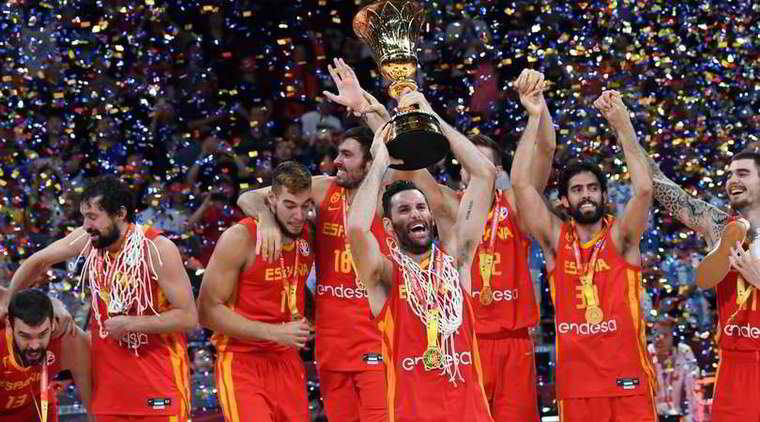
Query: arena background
{"points": [[194, 101]]}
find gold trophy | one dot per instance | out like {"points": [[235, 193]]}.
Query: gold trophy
{"points": [[390, 28]]}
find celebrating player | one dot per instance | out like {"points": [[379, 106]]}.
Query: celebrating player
{"points": [[594, 262], [142, 305], [738, 331], [256, 309], [420, 296], [31, 355]]}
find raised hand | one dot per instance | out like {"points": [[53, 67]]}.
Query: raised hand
{"points": [[611, 105], [379, 150], [350, 93], [415, 98], [528, 81], [530, 87]]}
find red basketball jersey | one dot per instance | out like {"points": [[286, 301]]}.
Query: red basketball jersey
{"points": [[341, 306], [742, 332], [154, 380], [609, 358], [19, 385], [416, 394], [263, 291], [514, 304]]}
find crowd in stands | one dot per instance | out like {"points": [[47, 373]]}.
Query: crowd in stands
{"points": [[193, 102]]}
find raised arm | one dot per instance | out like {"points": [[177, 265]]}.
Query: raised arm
{"points": [[546, 140], [473, 209], [218, 289], [353, 97], [373, 268], [692, 212], [536, 216], [175, 285], [633, 222]]}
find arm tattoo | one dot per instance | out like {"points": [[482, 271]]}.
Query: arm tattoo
{"points": [[469, 210], [694, 213]]}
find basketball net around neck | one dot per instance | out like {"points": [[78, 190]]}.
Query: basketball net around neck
{"points": [[434, 287], [121, 282]]}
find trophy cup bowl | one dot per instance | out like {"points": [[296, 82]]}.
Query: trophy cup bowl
{"points": [[390, 28]]}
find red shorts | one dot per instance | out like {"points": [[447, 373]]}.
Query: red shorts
{"points": [[608, 409], [267, 387], [737, 391], [509, 376], [28, 413], [354, 396], [125, 418]]}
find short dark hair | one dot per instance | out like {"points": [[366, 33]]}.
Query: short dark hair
{"points": [[364, 136], [751, 152], [31, 306], [114, 194], [576, 167], [292, 175], [485, 141], [393, 189]]}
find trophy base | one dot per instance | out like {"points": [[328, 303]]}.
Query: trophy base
{"points": [[417, 139]]}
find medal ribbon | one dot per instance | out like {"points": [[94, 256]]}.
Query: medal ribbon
{"points": [[290, 288], [431, 304], [42, 409], [432, 328], [486, 260], [588, 269], [742, 292], [359, 283]]}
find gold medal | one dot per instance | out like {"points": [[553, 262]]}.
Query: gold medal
{"points": [[486, 270], [486, 267], [594, 315], [486, 296], [432, 358]]}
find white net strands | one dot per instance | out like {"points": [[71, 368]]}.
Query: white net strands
{"points": [[123, 281], [435, 287]]}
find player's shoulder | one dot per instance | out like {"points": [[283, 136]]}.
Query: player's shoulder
{"points": [[240, 232], [320, 185]]}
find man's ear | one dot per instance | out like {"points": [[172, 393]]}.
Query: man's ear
{"points": [[122, 213], [271, 199], [564, 202]]}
